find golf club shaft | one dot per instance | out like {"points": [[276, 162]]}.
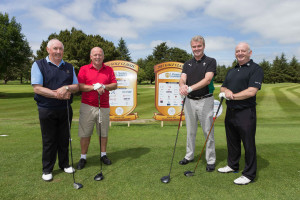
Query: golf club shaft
{"points": [[100, 130], [70, 139], [177, 135], [214, 119]]}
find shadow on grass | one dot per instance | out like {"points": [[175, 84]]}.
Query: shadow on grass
{"points": [[132, 153], [222, 158], [4, 95]]}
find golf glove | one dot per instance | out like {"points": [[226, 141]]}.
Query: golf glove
{"points": [[97, 86], [222, 95], [189, 90]]}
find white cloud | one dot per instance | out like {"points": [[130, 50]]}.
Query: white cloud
{"points": [[272, 19], [52, 19], [78, 9], [140, 46], [219, 43], [116, 28], [151, 11]]}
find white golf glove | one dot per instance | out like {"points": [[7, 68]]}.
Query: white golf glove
{"points": [[189, 90], [222, 95], [97, 86]]}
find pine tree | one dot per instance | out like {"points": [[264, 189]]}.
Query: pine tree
{"points": [[123, 50]]}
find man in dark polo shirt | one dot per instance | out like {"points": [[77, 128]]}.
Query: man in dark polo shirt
{"points": [[194, 83], [239, 88]]}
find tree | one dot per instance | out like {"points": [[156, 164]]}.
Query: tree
{"points": [[266, 66], [280, 70], [221, 73], [295, 67], [15, 53], [178, 55], [161, 53], [123, 50], [77, 47]]}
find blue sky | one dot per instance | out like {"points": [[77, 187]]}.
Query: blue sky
{"points": [[271, 27]]}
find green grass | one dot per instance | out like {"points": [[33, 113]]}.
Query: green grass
{"points": [[141, 154]]}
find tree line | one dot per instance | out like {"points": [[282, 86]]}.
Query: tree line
{"points": [[16, 56]]}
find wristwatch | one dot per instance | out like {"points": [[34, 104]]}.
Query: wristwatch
{"points": [[103, 86], [67, 88]]}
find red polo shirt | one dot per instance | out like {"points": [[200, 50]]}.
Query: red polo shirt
{"points": [[89, 75]]}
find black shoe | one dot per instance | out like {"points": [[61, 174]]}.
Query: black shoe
{"points": [[210, 168], [81, 163], [105, 160], [184, 161]]}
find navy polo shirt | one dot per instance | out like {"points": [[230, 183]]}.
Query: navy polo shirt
{"points": [[240, 78], [196, 70]]}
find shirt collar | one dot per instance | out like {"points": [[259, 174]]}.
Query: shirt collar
{"points": [[91, 66], [62, 62], [203, 57], [245, 65]]}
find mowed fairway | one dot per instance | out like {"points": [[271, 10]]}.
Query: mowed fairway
{"points": [[141, 154]]}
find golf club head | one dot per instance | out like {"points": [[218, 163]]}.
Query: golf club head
{"points": [[189, 173], [165, 179], [99, 177], [77, 186]]}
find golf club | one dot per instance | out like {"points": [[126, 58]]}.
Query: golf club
{"points": [[75, 185], [192, 173], [99, 176], [166, 179]]}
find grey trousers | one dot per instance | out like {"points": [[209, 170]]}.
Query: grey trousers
{"points": [[201, 110]]}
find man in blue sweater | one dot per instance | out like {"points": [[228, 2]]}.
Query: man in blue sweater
{"points": [[53, 82]]}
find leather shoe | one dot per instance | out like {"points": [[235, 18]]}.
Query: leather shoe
{"points": [[105, 160], [210, 167], [81, 164], [184, 161]]}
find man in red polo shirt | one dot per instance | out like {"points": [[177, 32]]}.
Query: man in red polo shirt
{"points": [[94, 79]]}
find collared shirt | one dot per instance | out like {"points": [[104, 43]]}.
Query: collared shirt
{"points": [[37, 77], [240, 78], [196, 70], [89, 75]]}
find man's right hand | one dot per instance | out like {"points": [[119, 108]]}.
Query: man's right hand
{"points": [[97, 86]]}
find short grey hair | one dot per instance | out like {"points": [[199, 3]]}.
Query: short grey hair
{"points": [[96, 48], [50, 43], [198, 38]]}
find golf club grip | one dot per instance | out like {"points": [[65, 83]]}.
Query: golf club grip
{"points": [[219, 106], [181, 111]]}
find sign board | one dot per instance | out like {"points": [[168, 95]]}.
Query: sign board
{"points": [[168, 101], [123, 100]]}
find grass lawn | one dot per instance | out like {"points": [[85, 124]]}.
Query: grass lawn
{"points": [[141, 154]]}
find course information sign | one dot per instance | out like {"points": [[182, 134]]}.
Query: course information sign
{"points": [[167, 98], [123, 100]]}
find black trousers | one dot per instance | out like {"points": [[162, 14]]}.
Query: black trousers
{"points": [[240, 127], [55, 136]]}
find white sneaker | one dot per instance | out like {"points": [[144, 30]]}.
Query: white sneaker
{"points": [[47, 177], [69, 170], [243, 180], [226, 169]]}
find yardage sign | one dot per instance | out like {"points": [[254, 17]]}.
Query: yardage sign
{"points": [[167, 98], [124, 99]]}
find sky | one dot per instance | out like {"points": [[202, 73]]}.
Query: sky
{"points": [[271, 27]]}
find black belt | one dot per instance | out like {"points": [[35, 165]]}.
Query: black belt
{"points": [[198, 98]]}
